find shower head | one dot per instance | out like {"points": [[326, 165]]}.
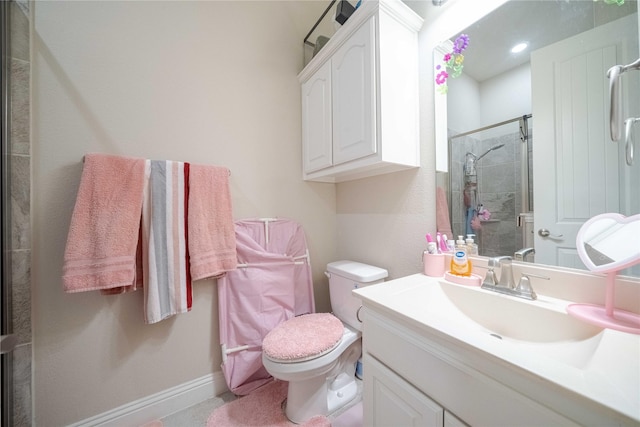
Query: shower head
{"points": [[471, 159], [469, 166], [495, 147]]}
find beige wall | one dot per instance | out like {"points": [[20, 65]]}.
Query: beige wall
{"points": [[206, 82]]}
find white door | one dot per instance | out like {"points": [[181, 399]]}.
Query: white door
{"points": [[316, 120], [576, 166], [353, 96]]}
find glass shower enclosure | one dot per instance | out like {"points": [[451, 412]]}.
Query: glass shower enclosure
{"points": [[491, 186]]}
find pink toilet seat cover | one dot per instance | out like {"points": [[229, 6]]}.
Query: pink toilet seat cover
{"points": [[303, 337]]}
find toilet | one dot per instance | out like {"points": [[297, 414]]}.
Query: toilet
{"points": [[317, 353]]}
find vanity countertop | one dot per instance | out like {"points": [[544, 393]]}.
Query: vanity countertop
{"points": [[531, 345]]}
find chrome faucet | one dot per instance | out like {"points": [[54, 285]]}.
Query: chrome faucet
{"points": [[505, 284], [522, 253], [506, 273]]}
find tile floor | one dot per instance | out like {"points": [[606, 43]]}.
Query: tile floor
{"points": [[197, 415]]}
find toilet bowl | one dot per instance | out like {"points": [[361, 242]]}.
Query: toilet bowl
{"points": [[317, 353]]}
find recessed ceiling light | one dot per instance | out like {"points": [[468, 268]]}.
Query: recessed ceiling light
{"points": [[519, 47]]}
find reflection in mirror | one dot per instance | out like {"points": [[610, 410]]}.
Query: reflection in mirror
{"points": [[529, 158], [491, 186]]}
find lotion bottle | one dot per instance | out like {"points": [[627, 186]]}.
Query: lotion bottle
{"points": [[460, 264]]}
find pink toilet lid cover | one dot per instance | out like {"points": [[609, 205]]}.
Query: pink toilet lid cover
{"points": [[303, 337]]}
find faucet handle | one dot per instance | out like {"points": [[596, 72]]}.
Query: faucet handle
{"points": [[524, 285], [490, 278]]}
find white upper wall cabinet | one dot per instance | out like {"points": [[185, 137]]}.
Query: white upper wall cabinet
{"points": [[360, 97]]}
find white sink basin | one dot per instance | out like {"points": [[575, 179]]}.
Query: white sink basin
{"points": [[516, 318], [541, 327]]}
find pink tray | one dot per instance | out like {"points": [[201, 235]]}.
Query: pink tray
{"points": [[473, 280]]}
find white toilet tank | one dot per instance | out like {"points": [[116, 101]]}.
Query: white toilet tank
{"points": [[345, 276]]}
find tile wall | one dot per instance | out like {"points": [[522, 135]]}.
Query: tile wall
{"points": [[20, 152]]}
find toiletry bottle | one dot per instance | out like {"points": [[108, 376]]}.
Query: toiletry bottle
{"points": [[460, 264], [451, 246], [472, 247], [432, 248]]}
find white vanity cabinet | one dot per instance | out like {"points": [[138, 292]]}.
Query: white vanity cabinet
{"points": [[360, 97], [410, 380], [441, 353]]}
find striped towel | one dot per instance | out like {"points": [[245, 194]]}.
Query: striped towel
{"points": [[167, 280]]}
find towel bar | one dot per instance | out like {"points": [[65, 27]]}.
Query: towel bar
{"points": [[229, 170]]}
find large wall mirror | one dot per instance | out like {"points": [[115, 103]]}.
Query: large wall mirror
{"points": [[529, 154]]}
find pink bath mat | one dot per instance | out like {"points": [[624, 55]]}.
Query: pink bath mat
{"points": [[261, 408]]}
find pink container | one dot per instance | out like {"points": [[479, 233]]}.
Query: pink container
{"points": [[434, 264], [473, 280]]}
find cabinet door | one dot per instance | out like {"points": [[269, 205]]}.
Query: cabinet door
{"points": [[316, 120], [353, 92], [451, 420], [390, 401]]}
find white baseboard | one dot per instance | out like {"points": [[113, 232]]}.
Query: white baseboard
{"points": [[161, 404]]}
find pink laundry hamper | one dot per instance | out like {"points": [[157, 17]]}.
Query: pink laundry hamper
{"points": [[271, 284]]}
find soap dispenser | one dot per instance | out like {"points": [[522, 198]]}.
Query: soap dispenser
{"points": [[460, 264], [472, 247]]}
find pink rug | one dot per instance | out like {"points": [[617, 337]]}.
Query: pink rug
{"points": [[263, 407]]}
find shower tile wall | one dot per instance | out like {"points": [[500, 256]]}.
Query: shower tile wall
{"points": [[20, 152], [499, 189]]}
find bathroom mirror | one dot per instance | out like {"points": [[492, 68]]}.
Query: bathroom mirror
{"points": [[542, 178]]}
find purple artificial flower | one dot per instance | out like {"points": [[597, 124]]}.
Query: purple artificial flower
{"points": [[460, 43], [441, 78]]}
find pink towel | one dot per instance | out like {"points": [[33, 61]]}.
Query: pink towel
{"points": [[103, 235], [442, 213], [212, 239], [139, 273]]}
